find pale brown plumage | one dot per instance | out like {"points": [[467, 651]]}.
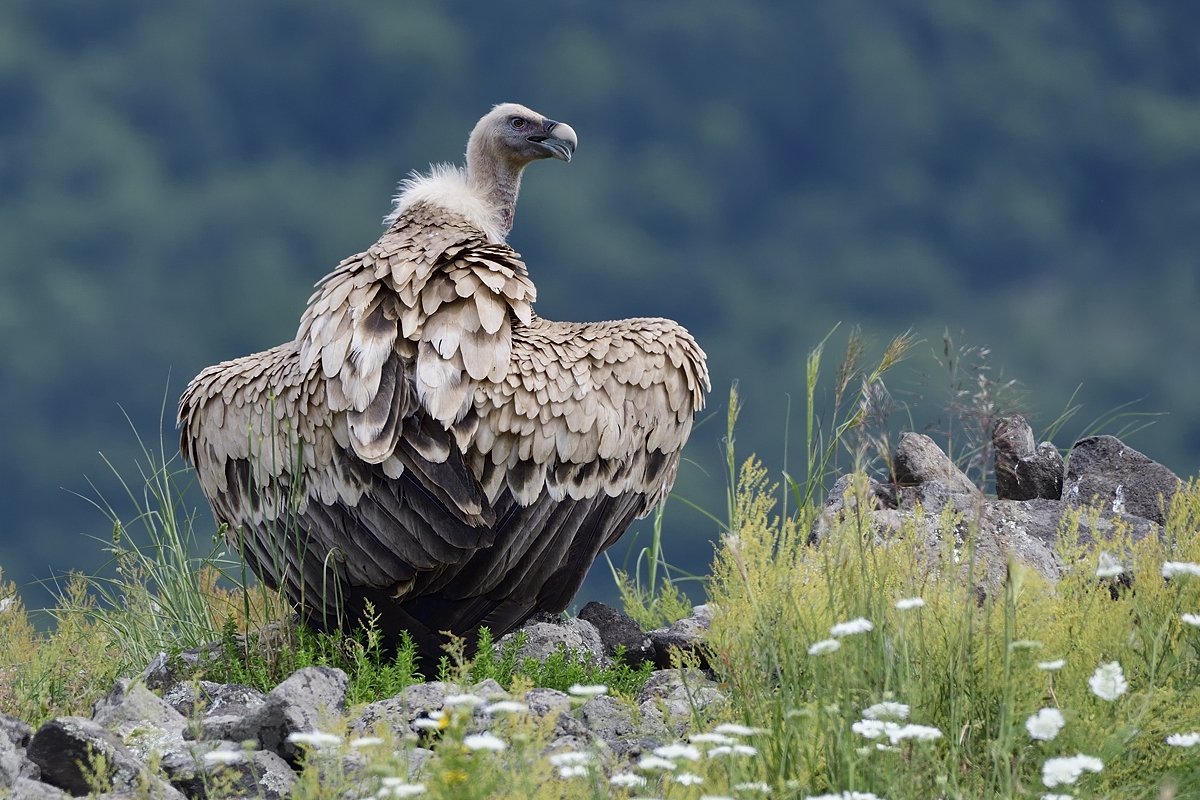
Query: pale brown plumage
{"points": [[427, 442]]}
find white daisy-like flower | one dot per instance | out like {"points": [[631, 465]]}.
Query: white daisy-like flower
{"points": [[734, 729], [1051, 666], [711, 738], [506, 707], [909, 603], [484, 741], [569, 758], [1067, 769], [1058, 797], [922, 733], [688, 779], [1171, 569], [398, 787], [1045, 724], [317, 739], [1024, 644], [6, 603], [430, 723], [573, 771], [655, 762], [1107, 565], [463, 701], [824, 646], [873, 728], [732, 750], [678, 750], [886, 710], [224, 757], [753, 786], [844, 796], [627, 780], [1191, 619], [1184, 739], [854, 626], [365, 741], [1108, 681], [587, 689]]}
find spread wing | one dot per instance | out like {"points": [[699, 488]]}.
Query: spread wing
{"points": [[427, 443]]}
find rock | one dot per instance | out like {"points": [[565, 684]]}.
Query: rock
{"points": [[490, 690], [674, 698], [15, 731], [544, 638], [12, 760], [1104, 469], [400, 712], [608, 719], [547, 702], [1025, 471], [685, 635], [240, 773], [64, 749], [920, 462], [28, 789], [215, 710], [307, 700], [619, 630]]}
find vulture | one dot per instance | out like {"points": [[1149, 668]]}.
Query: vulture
{"points": [[428, 446]]}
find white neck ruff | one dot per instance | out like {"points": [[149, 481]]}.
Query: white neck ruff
{"points": [[447, 186]]}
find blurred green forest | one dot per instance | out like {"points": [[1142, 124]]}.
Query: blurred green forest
{"points": [[175, 176]]}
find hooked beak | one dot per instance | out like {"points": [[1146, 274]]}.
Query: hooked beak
{"points": [[558, 139]]}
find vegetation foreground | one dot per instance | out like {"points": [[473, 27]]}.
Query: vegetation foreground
{"points": [[854, 667]]}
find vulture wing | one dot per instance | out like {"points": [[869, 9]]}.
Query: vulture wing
{"points": [[428, 444]]}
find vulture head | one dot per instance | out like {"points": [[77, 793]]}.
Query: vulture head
{"points": [[511, 136]]}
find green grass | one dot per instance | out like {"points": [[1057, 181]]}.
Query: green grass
{"points": [[966, 669]]}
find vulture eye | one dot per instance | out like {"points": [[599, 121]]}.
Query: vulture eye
{"points": [[517, 122]]}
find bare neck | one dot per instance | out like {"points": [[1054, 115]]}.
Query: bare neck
{"points": [[498, 180]]}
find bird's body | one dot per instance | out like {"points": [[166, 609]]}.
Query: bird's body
{"points": [[427, 443]]}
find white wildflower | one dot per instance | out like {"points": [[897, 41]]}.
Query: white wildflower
{"points": [[886, 710], [844, 796], [1024, 644], [506, 707], [316, 739], [753, 786], [573, 771], [711, 738], [365, 741], [1058, 797], [1107, 565], [223, 756], [1172, 568], [909, 603], [824, 646], [1045, 724], [464, 700], [873, 728], [1051, 666], [714, 797], [854, 626], [627, 780], [922, 733], [484, 741], [732, 750], [398, 787], [1191, 619], [1067, 769], [688, 779], [6, 603], [1184, 739], [674, 751], [569, 758], [587, 690], [1108, 682], [431, 723], [655, 762], [734, 729]]}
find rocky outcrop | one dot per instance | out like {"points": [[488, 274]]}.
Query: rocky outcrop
{"points": [[1107, 486]]}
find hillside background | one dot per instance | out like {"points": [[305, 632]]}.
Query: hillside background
{"points": [[174, 177]]}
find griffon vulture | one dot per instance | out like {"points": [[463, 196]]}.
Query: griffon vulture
{"points": [[427, 442]]}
